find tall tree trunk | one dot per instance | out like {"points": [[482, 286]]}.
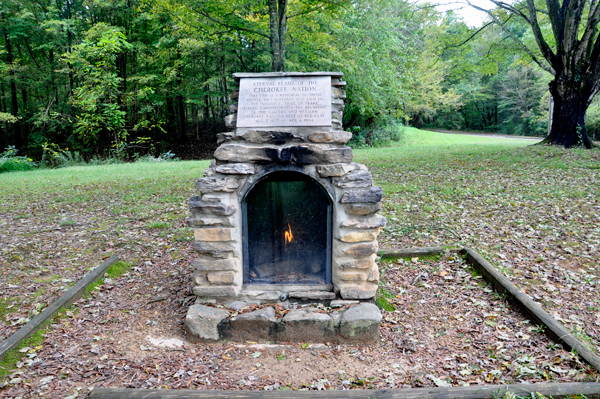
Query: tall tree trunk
{"points": [[25, 109], [181, 119], [278, 31], [568, 116], [14, 103]]}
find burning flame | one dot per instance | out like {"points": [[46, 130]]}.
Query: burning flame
{"points": [[288, 235]]}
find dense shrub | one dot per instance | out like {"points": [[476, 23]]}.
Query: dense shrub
{"points": [[380, 133], [10, 161]]}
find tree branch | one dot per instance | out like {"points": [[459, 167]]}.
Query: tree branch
{"points": [[299, 14], [539, 37], [474, 34], [207, 16], [555, 19], [545, 67], [584, 48], [572, 20], [511, 9]]}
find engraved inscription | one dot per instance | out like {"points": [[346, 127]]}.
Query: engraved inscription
{"points": [[288, 101]]}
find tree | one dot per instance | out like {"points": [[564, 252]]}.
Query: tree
{"points": [[571, 56], [97, 96], [249, 18]]}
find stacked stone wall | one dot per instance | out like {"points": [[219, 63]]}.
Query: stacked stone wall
{"points": [[247, 154]]}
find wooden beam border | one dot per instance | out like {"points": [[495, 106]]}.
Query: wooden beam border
{"points": [[555, 329], [591, 390], [411, 252], [64, 301]]}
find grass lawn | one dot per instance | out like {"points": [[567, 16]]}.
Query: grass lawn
{"points": [[534, 212]]}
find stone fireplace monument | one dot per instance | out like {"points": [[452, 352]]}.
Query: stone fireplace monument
{"points": [[282, 211]]}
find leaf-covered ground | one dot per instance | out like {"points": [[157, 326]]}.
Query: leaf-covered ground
{"points": [[533, 212]]}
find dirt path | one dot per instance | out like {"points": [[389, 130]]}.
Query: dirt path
{"points": [[494, 135]]}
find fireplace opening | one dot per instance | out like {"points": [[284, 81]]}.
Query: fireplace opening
{"points": [[287, 231]]}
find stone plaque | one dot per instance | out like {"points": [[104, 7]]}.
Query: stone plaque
{"points": [[285, 101]]}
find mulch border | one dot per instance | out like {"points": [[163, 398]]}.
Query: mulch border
{"points": [[555, 329], [503, 285], [63, 301], [500, 283]]}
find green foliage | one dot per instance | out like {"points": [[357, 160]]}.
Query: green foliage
{"points": [[381, 133], [592, 119], [56, 157], [10, 161], [383, 300], [97, 95]]}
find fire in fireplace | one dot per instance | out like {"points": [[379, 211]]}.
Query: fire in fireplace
{"points": [[286, 231]]}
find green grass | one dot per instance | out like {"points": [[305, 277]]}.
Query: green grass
{"points": [[132, 183], [9, 362], [7, 306], [158, 225], [118, 269]]}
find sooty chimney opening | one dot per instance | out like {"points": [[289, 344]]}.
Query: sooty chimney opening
{"points": [[286, 231]]}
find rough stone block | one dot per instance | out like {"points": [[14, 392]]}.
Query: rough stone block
{"points": [[312, 295], [221, 278], [334, 170], [360, 236], [374, 274], [341, 303], [213, 206], [236, 169], [231, 121], [334, 136], [361, 322], [361, 250], [215, 249], [337, 92], [214, 234], [352, 277], [208, 264], [232, 108], [203, 322], [358, 291], [197, 220], [364, 263], [356, 179], [267, 136], [315, 154], [372, 222], [254, 326], [211, 184], [239, 305], [266, 314], [302, 325], [371, 194], [225, 136], [199, 278], [362, 209], [337, 115], [226, 291], [337, 107], [247, 153]]}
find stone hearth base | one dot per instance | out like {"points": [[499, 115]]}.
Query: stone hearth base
{"points": [[342, 321]]}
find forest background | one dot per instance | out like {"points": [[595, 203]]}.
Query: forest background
{"points": [[82, 79]]}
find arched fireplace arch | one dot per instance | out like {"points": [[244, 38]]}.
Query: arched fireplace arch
{"points": [[287, 230]]}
